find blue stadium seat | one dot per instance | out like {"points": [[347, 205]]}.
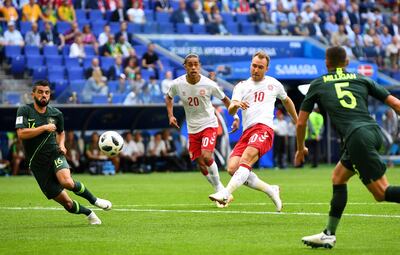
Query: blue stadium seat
{"points": [[39, 73], [162, 17], [248, 29], [25, 26], [112, 86], [134, 28], [63, 26], [166, 28], [182, 28], [97, 25], [75, 73], [146, 74], [33, 62], [55, 74], [18, 65], [71, 62], [179, 72], [13, 98], [106, 62], [87, 62], [242, 18], [89, 51], [54, 60], [100, 99], [95, 15], [50, 50], [199, 29], [80, 14], [233, 28], [31, 50], [65, 50], [60, 86], [140, 50], [12, 51], [227, 17], [77, 86], [149, 14], [117, 98], [82, 23], [150, 28], [114, 27]]}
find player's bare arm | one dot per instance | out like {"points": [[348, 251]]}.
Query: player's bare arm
{"points": [[236, 121], [235, 105], [28, 133], [170, 109], [61, 142], [394, 103], [290, 108], [301, 126]]}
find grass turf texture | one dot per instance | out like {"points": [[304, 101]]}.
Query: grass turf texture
{"points": [[169, 213]]}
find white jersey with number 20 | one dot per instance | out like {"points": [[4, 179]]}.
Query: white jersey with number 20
{"points": [[261, 97], [196, 99]]}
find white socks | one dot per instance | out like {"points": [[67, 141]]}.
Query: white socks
{"points": [[255, 183], [213, 177], [240, 176]]}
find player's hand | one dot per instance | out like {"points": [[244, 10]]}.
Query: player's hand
{"points": [[242, 105], [63, 150], [299, 156], [50, 127], [235, 126], [173, 122]]}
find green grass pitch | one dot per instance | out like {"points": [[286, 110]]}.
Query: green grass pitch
{"points": [[169, 213]]}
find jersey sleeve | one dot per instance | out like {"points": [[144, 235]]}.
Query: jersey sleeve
{"points": [[173, 90], [377, 91], [237, 92], [218, 92], [22, 117], [282, 95], [311, 98], [60, 122]]}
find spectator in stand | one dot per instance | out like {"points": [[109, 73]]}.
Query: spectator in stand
{"points": [[111, 5], [136, 14], [314, 131], [66, 12], [103, 37], [181, 15], [95, 85], [283, 28], [342, 13], [17, 156], [70, 35], [163, 6], [138, 83], [151, 61], [77, 49], [130, 154], [307, 15], [155, 90], [73, 154], [32, 12], [9, 12], [87, 4], [119, 14], [340, 37], [354, 15], [171, 157], [156, 150], [13, 36], [393, 53], [123, 31], [50, 13], [93, 154], [208, 5], [300, 28], [315, 30], [145, 95], [33, 37], [109, 49], [132, 98], [123, 87], [88, 38], [265, 25], [131, 67], [50, 37], [131, 3], [116, 70], [212, 14], [331, 26], [94, 66], [137, 137], [393, 25], [217, 26], [279, 15], [385, 37], [167, 82], [124, 48], [196, 13]]}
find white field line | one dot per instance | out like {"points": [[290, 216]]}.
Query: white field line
{"points": [[247, 204], [221, 211]]}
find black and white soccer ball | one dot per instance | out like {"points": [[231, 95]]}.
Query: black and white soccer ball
{"points": [[111, 143]]}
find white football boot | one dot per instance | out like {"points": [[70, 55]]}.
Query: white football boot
{"points": [[103, 204], [222, 196], [220, 205], [320, 240], [276, 198], [93, 219]]}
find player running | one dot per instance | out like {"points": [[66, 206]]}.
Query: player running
{"points": [[195, 91], [256, 97], [344, 96], [41, 127]]}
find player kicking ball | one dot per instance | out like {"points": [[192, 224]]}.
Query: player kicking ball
{"points": [[41, 127], [256, 97], [195, 91]]}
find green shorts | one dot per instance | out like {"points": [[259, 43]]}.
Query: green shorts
{"points": [[45, 174], [361, 154]]}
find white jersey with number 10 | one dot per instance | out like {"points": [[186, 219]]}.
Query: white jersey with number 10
{"points": [[261, 97], [196, 98]]}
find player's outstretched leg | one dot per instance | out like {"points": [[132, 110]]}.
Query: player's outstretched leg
{"points": [[74, 207], [80, 190], [273, 191]]}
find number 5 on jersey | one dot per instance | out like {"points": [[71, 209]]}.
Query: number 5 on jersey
{"points": [[345, 93]]}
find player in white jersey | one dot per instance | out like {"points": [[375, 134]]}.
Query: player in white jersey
{"points": [[195, 91], [256, 97]]}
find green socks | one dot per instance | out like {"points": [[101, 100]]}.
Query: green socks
{"points": [[82, 191], [392, 194], [78, 209], [338, 203]]}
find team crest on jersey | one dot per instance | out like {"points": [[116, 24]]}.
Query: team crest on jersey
{"points": [[270, 87], [202, 92], [51, 120]]}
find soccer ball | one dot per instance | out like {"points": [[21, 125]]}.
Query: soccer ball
{"points": [[111, 143]]}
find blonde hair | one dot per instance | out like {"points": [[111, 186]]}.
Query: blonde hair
{"points": [[261, 55], [98, 77]]}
